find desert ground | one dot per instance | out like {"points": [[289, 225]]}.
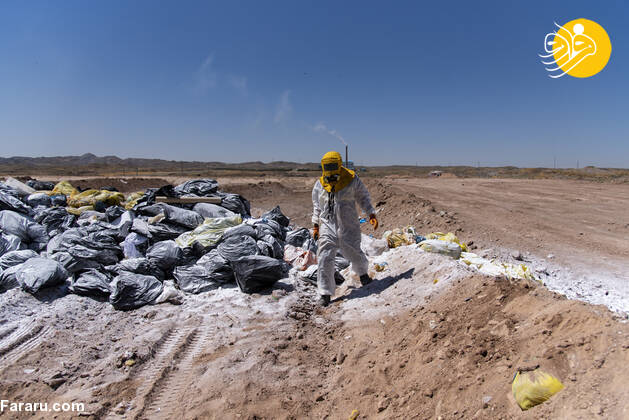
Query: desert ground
{"points": [[429, 338]]}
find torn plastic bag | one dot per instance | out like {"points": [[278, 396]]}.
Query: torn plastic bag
{"points": [[269, 227], [9, 202], [310, 245], [38, 273], [10, 243], [40, 185], [299, 258], [256, 272], [134, 245], [166, 255], [130, 291], [212, 210], [182, 217], [91, 283], [209, 232], [217, 267], [16, 257], [200, 187], [137, 266], [29, 232], [89, 217], [237, 246], [8, 279], [58, 200], [170, 294], [241, 229], [298, 237], [277, 215], [235, 203], [39, 199]]}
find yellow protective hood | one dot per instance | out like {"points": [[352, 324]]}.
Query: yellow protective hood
{"points": [[331, 166]]}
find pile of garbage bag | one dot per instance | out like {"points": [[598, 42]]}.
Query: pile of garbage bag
{"points": [[133, 250]]}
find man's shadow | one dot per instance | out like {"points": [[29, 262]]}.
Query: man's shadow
{"points": [[376, 286]]}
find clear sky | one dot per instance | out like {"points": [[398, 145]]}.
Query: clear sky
{"points": [[454, 82]]}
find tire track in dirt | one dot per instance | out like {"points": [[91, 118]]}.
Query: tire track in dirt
{"points": [[166, 395], [20, 341]]}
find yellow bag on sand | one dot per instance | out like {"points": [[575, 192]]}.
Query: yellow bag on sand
{"points": [[91, 197], [65, 188], [531, 392], [398, 237], [448, 237]]}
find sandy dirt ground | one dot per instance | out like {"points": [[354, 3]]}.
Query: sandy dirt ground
{"points": [[429, 338]]}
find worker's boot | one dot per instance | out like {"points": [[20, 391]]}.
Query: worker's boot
{"points": [[365, 279], [324, 300]]}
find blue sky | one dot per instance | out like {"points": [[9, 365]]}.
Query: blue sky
{"points": [[401, 82]]}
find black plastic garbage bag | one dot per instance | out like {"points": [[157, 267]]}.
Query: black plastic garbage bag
{"points": [[270, 227], [297, 237], [241, 229], [236, 203], [277, 215], [277, 247], [9, 202], [183, 217], [56, 220], [16, 257], [218, 268], [10, 243], [163, 231], [130, 291], [29, 232], [59, 200], [39, 199], [114, 212], [310, 276], [264, 248], [256, 272], [88, 248], [200, 187], [166, 255], [38, 273], [212, 210], [8, 279], [91, 283], [210, 272], [237, 246], [340, 262], [137, 266], [40, 185], [134, 245]]}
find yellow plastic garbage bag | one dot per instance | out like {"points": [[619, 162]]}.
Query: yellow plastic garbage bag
{"points": [[533, 388], [496, 268], [65, 188], [132, 199], [398, 237], [77, 211], [437, 246], [448, 237], [91, 197], [209, 232]]}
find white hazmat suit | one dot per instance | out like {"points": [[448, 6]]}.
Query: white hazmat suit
{"points": [[335, 213]]}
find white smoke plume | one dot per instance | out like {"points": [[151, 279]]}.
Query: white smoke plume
{"points": [[320, 127]]}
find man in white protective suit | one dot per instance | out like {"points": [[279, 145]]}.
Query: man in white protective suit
{"points": [[335, 221]]}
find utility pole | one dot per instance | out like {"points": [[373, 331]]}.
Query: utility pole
{"points": [[346, 157]]}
